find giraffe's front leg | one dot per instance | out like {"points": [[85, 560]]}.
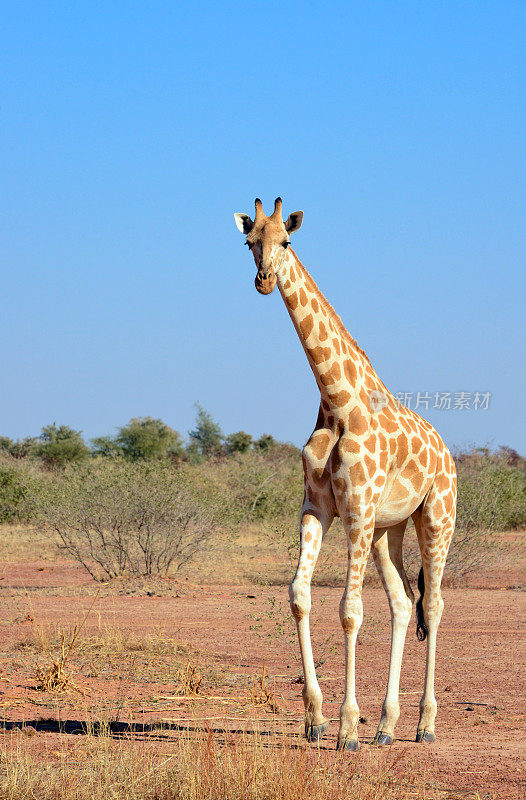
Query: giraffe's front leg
{"points": [[313, 527], [359, 529]]}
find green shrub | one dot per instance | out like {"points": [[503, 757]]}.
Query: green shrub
{"points": [[256, 486], [13, 492], [491, 490], [60, 445], [238, 442], [146, 438]]}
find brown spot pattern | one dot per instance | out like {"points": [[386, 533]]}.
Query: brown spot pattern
{"points": [[357, 474], [319, 354], [292, 301], [340, 398], [319, 444], [388, 421], [339, 484], [332, 375], [350, 371], [350, 445], [370, 463], [370, 443], [402, 449], [357, 421], [306, 326]]}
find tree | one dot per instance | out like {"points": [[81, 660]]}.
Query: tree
{"points": [[18, 449], [145, 438], [207, 434], [238, 442], [6, 444], [105, 446], [265, 442], [59, 445]]}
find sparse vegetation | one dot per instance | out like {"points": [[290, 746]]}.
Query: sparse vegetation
{"points": [[115, 517], [145, 503]]}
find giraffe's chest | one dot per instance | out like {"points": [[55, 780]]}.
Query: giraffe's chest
{"points": [[317, 455]]}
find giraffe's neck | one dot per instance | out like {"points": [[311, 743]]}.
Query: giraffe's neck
{"points": [[343, 372]]}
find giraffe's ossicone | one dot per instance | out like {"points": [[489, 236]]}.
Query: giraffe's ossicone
{"points": [[372, 462]]}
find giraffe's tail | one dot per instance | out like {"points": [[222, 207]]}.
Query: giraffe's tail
{"points": [[421, 627]]}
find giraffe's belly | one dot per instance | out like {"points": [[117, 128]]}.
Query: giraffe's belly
{"points": [[399, 500], [392, 512]]}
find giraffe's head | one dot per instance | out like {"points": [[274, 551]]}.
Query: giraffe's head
{"points": [[268, 238]]}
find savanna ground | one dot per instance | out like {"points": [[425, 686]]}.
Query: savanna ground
{"points": [[190, 687]]}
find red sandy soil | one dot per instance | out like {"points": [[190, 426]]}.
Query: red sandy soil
{"points": [[235, 630]]}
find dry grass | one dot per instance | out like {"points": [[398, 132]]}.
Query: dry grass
{"points": [[188, 680], [203, 765], [105, 640], [23, 542], [262, 696], [54, 678]]}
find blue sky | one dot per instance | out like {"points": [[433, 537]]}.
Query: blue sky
{"points": [[131, 132]]}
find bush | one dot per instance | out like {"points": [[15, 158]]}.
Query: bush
{"points": [[491, 490], [13, 492], [238, 442], [265, 442], [60, 445], [256, 486], [146, 438], [115, 517]]}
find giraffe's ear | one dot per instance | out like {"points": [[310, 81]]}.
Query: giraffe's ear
{"points": [[294, 221], [244, 223]]}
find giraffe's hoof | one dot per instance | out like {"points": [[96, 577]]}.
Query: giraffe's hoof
{"points": [[381, 739], [353, 745], [425, 736], [314, 733]]}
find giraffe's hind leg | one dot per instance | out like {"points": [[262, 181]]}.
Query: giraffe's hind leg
{"points": [[387, 554], [434, 522]]}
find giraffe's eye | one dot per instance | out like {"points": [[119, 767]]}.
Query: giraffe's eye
{"points": [[248, 244], [285, 244]]}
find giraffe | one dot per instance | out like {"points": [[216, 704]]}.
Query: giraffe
{"points": [[372, 462]]}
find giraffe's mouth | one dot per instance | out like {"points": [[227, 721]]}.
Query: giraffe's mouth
{"points": [[265, 285]]}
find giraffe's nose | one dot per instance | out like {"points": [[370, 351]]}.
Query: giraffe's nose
{"points": [[265, 281]]}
